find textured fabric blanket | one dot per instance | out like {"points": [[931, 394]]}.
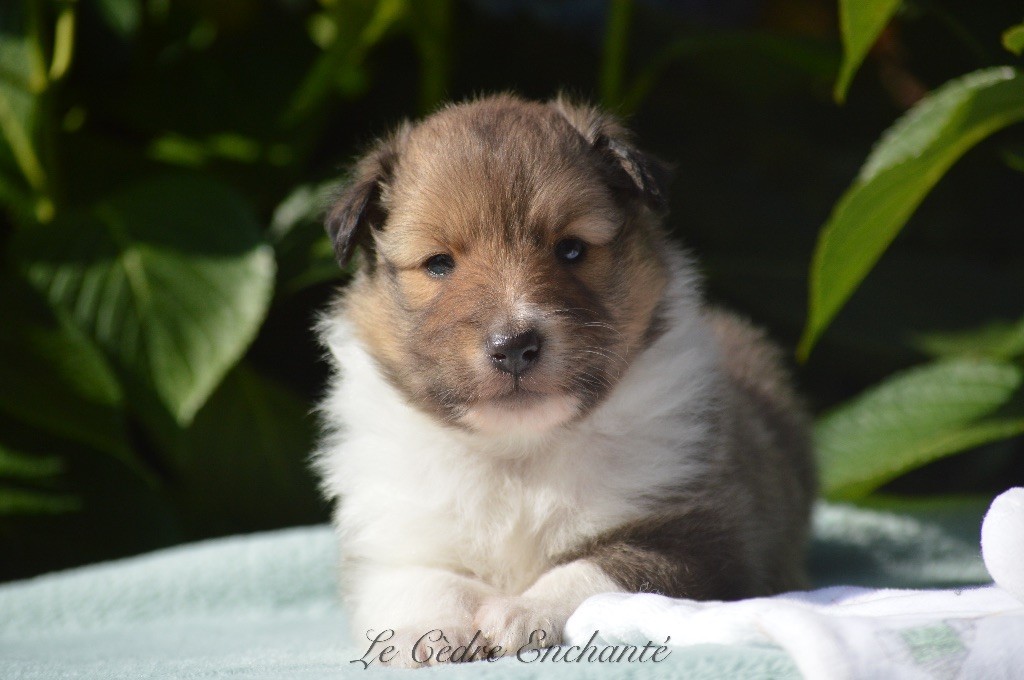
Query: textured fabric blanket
{"points": [[836, 633], [264, 606]]}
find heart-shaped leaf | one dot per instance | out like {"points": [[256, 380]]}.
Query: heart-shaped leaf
{"points": [[170, 276]]}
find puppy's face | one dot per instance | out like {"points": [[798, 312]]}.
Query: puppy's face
{"points": [[512, 267]]}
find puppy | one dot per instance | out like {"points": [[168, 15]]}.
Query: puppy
{"points": [[531, 403]]}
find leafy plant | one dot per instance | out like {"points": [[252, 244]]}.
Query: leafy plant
{"points": [[933, 411], [164, 166], [137, 275]]}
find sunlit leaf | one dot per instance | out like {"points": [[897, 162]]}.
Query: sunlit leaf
{"points": [[913, 418], [1013, 39], [170, 276], [908, 161], [860, 22]]}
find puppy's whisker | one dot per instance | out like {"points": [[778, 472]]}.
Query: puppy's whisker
{"points": [[606, 354], [589, 378]]}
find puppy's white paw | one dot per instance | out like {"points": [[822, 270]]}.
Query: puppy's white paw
{"points": [[425, 646], [518, 622]]}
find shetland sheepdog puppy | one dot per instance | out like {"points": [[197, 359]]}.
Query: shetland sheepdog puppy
{"points": [[531, 403]]}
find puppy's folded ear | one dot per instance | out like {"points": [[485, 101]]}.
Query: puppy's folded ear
{"points": [[629, 170], [361, 203]]}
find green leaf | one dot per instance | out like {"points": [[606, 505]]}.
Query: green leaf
{"points": [[122, 16], [22, 78], [244, 463], [37, 470], [305, 205], [59, 380], [908, 161], [170, 276], [305, 256], [1013, 157], [19, 466], [1013, 39], [355, 28], [772, 63], [14, 501], [996, 341], [96, 508], [860, 22], [911, 419]]}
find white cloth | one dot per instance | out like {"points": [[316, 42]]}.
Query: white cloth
{"points": [[850, 632], [1002, 541], [838, 632]]}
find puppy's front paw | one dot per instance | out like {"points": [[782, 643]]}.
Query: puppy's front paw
{"points": [[425, 646], [518, 622]]}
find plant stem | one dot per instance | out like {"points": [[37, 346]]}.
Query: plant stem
{"points": [[613, 62], [63, 41], [21, 146]]}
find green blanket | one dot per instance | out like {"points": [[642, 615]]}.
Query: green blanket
{"points": [[264, 606]]}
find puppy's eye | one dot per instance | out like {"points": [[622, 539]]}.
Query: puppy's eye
{"points": [[439, 265], [570, 249]]}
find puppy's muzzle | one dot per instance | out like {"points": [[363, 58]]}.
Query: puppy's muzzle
{"points": [[514, 354]]}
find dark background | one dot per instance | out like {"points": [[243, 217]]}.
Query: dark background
{"points": [[741, 105]]}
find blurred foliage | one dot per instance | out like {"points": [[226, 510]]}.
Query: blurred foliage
{"points": [[164, 165]]}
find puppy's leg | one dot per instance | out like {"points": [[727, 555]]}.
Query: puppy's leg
{"points": [[414, 601], [537, 617], [697, 554], [692, 555]]}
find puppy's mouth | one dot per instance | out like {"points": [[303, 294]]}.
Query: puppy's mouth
{"points": [[518, 396], [532, 403], [521, 412], [517, 391]]}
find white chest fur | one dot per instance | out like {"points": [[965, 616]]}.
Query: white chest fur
{"points": [[415, 492]]}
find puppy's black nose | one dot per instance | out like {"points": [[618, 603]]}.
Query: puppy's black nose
{"points": [[514, 354]]}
